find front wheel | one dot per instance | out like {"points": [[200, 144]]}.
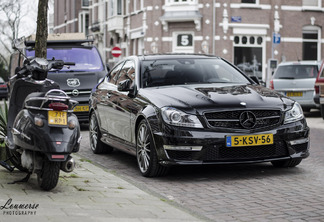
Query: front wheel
{"points": [[322, 110], [49, 175], [146, 155]]}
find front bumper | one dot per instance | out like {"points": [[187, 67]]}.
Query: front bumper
{"points": [[176, 146]]}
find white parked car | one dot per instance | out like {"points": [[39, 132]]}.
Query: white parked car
{"points": [[297, 80]]}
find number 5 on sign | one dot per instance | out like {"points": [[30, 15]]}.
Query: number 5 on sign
{"points": [[184, 40]]}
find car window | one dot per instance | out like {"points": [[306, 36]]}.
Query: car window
{"points": [[296, 72], [322, 74], [113, 76], [189, 71], [127, 71], [85, 58]]}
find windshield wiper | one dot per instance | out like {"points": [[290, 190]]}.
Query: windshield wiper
{"points": [[286, 77]]}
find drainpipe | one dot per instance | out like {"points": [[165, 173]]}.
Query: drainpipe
{"points": [[214, 31], [104, 33]]}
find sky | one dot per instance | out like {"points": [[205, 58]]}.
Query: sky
{"points": [[28, 23]]}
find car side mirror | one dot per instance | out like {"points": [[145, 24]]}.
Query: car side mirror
{"points": [[108, 69], [124, 86], [19, 44]]}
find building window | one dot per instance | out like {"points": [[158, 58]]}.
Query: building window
{"points": [[85, 3], [111, 8], [248, 54], [312, 3], [84, 22], [119, 7], [249, 1], [176, 2], [311, 43]]}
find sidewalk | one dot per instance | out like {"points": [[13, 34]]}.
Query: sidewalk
{"points": [[88, 194]]}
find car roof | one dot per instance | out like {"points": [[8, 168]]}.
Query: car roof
{"points": [[175, 56], [308, 62]]}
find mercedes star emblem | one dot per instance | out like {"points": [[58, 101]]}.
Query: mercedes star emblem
{"points": [[248, 120]]}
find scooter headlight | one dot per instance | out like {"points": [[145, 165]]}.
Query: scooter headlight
{"points": [[38, 121]]}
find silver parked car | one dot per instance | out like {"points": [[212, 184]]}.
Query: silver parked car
{"points": [[297, 80]]}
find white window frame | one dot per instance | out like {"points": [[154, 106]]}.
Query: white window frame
{"points": [[305, 5], [180, 2], [82, 21]]}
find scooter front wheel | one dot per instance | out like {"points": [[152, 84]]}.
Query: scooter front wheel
{"points": [[49, 175]]}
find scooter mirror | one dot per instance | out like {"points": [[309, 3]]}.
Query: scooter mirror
{"points": [[19, 43]]}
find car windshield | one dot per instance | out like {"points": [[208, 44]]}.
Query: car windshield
{"points": [[296, 72], [189, 71], [85, 59]]}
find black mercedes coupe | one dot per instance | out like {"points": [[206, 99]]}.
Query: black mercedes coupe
{"points": [[180, 109]]}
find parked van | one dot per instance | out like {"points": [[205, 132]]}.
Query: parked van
{"points": [[78, 80]]}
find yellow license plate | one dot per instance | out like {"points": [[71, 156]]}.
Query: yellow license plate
{"points": [[249, 140], [57, 118], [294, 94], [81, 109]]}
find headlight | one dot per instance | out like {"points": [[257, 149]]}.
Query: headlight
{"points": [[295, 114], [176, 117]]}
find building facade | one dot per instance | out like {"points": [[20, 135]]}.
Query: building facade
{"points": [[247, 33]]}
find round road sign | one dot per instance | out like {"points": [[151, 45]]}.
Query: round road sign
{"points": [[116, 51]]}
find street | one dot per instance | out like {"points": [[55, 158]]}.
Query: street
{"points": [[257, 192]]}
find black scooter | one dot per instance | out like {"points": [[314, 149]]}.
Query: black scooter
{"points": [[42, 131]]}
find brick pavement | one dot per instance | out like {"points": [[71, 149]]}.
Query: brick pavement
{"points": [[88, 193], [257, 192]]}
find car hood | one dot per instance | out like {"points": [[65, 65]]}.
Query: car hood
{"points": [[201, 98]]}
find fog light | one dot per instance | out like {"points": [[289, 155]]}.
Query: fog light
{"points": [[38, 121]]}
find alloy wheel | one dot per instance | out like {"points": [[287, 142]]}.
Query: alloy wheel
{"points": [[143, 148]]}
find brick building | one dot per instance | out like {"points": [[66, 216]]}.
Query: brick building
{"points": [[246, 32]]}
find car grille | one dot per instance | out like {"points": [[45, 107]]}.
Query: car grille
{"points": [[82, 116], [74, 93], [265, 119], [223, 153]]}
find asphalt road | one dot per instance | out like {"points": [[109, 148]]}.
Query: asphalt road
{"points": [[257, 192]]}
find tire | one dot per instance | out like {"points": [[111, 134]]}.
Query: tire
{"points": [[306, 109], [49, 175], [322, 110], [286, 163], [146, 156], [15, 159], [96, 145]]}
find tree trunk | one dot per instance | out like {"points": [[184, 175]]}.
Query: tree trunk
{"points": [[41, 32]]}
